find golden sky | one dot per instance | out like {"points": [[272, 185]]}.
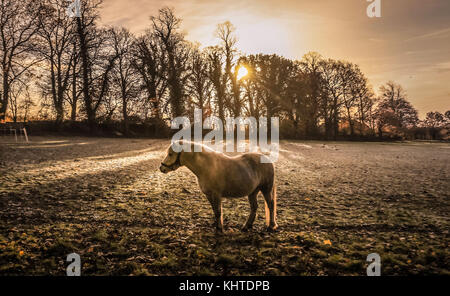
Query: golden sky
{"points": [[409, 44]]}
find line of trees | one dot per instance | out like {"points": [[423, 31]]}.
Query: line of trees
{"points": [[81, 71]]}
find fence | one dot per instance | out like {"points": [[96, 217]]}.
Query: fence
{"points": [[16, 130]]}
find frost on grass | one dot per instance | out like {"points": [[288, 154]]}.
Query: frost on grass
{"points": [[337, 202]]}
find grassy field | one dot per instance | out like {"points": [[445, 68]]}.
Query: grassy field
{"points": [[337, 202]]}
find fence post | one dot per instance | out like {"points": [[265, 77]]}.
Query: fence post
{"points": [[25, 134]]}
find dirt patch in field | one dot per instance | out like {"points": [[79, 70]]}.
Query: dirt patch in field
{"points": [[337, 202]]}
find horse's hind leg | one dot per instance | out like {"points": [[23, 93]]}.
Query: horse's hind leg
{"points": [[270, 197], [252, 199]]}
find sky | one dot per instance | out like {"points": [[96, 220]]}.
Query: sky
{"points": [[408, 44]]}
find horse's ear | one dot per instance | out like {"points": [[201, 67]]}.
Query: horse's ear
{"points": [[177, 146]]}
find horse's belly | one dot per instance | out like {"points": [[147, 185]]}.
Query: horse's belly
{"points": [[234, 194], [230, 189], [239, 189]]}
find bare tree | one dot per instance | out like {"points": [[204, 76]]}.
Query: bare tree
{"points": [[349, 74], [151, 63], [199, 82], [97, 59], [394, 109], [16, 93], [166, 29], [271, 75], [364, 100], [18, 27], [434, 120], [75, 90], [310, 100], [56, 32], [447, 118], [226, 34], [297, 103], [124, 74], [20, 98], [331, 96], [251, 90], [218, 78]]}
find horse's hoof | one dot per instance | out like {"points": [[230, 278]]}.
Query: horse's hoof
{"points": [[272, 228], [245, 229]]}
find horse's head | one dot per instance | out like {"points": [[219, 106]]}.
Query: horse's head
{"points": [[172, 160]]}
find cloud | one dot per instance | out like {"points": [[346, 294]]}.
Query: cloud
{"points": [[435, 34]]}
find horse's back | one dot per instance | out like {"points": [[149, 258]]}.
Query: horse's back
{"points": [[264, 171]]}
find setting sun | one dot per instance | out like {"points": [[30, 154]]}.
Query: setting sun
{"points": [[242, 72]]}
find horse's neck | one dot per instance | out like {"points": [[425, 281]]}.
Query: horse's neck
{"points": [[195, 165]]}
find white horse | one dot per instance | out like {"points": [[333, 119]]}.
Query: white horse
{"points": [[220, 176]]}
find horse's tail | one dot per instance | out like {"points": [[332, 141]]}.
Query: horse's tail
{"points": [[273, 195]]}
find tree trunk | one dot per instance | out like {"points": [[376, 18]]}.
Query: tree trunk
{"points": [[59, 114], [73, 114], [327, 126], [220, 103], [85, 70], [5, 97], [350, 123], [335, 124], [176, 99], [125, 116]]}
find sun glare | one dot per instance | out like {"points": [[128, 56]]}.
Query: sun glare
{"points": [[242, 72]]}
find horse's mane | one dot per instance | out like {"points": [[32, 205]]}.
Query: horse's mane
{"points": [[205, 148]]}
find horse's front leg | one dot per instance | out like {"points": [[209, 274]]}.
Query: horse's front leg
{"points": [[216, 204], [252, 199]]}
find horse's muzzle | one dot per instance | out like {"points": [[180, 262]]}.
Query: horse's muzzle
{"points": [[163, 169]]}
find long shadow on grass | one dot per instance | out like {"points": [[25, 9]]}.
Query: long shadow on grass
{"points": [[42, 204], [67, 149]]}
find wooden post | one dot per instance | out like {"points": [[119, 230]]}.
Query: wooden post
{"points": [[25, 134], [15, 132]]}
